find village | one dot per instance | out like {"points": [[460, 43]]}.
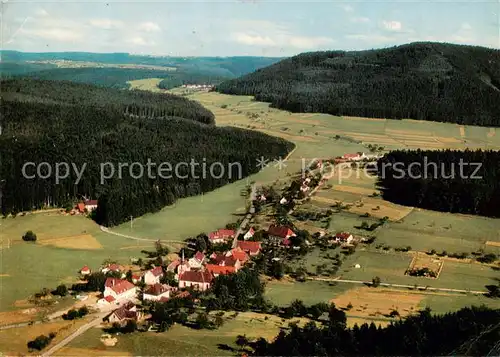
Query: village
{"points": [[194, 268]]}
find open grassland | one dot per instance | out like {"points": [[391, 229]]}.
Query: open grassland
{"points": [[64, 245], [183, 341]]}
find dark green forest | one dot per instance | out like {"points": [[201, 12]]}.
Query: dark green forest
{"points": [[450, 180], [106, 77], [468, 332], [426, 81], [53, 122]]}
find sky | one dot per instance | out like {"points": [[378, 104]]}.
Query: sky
{"points": [[242, 27]]}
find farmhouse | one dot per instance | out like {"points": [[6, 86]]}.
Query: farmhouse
{"points": [[114, 268], [199, 280], [280, 235], [221, 235], [251, 248], [196, 262], [172, 267], [124, 313], [344, 238], [157, 292], [85, 270], [153, 276], [217, 270], [136, 278], [90, 205], [238, 255], [249, 234], [118, 289]]}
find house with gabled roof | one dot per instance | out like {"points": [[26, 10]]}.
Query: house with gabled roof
{"points": [[238, 255], [280, 235], [90, 205], [344, 237], [221, 235], [196, 262], [251, 248], [111, 268], [198, 279], [153, 276], [85, 271], [124, 313], [217, 270], [249, 234], [118, 290], [158, 292]]}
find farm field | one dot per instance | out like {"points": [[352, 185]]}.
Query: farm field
{"points": [[62, 248]]}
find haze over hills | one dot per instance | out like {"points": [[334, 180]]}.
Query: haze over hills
{"points": [[115, 69], [426, 81]]}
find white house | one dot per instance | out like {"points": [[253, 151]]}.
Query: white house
{"points": [[153, 276], [90, 205], [196, 262], [249, 234], [157, 292], [85, 271], [199, 280], [124, 313], [344, 238], [118, 290], [111, 268]]}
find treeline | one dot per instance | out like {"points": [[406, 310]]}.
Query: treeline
{"points": [[106, 77], [177, 79], [426, 81], [63, 94], [449, 181], [83, 125], [471, 332]]}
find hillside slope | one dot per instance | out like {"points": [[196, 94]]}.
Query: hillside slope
{"points": [[425, 81], [88, 127]]}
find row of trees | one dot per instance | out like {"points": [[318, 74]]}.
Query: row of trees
{"points": [[470, 331], [427, 81], [81, 130], [448, 181]]}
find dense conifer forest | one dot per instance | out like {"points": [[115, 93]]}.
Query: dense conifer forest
{"points": [[57, 122], [467, 332], [438, 181], [426, 81]]}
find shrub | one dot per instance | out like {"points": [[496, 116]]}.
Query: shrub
{"points": [[29, 236]]}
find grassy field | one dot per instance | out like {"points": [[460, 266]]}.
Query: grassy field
{"points": [[183, 341], [27, 267]]}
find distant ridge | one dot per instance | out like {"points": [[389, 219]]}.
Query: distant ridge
{"points": [[423, 80]]}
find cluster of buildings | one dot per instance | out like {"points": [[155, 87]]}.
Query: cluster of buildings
{"points": [[198, 86], [359, 156]]}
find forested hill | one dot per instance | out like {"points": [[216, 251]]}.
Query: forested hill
{"points": [[58, 122], [426, 81], [139, 103]]}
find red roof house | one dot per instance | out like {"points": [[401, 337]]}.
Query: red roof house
{"points": [[221, 235], [81, 207], [85, 270], [280, 235], [252, 248], [238, 254], [119, 288], [217, 270], [200, 280], [153, 276]]}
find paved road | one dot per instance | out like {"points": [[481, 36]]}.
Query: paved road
{"points": [[428, 288], [248, 217], [81, 330], [107, 230]]}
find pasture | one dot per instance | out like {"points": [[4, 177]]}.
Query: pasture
{"points": [[64, 245]]}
